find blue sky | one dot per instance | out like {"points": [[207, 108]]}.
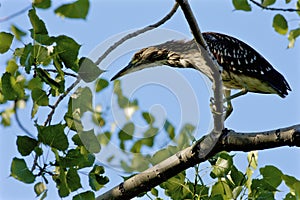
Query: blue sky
{"points": [[252, 112]]}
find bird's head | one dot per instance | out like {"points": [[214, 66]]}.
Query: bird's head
{"points": [[145, 58]]}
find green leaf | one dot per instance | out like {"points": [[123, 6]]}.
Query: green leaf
{"points": [[241, 5], [34, 110], [268, 2], [260, 189], [6, 115], [11, 89], [96, 180], [20, 171], [280, 24], [272, 175], [67, 49], [34, 83], [38, 151], [221, 188], [140, 162], [72, 117], [5, 41], [45, 77], [89, 140], [298, 7], [170, 129], [297, 189], [176, 187], [98, 118], [26, 145], [289, 196], [61, 183], [79, 158], [291, 182], [101, 84], [126, 133], [82, 100], [292, 37], [41, 56], [73, 179], [163, 154], [54, 136], [104, 138], [237, 176], [151, 132], [44, 39], [148, 141], [122, 100], [39, 188], [38, 25], [26, 57], [88, 70], [40, 97], [78, 9], [88, 195], [12, 66], [186, 136], [17, 32], [154, 192], [44, 4], [222, 166], [148, 118]]}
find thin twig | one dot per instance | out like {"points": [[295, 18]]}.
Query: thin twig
{"points": [[275, 9], [136, 33], [66, 73], [60, 98], [19, 121], [50, 115], [3, 19]]}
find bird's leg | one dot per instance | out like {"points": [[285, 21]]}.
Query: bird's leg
{"points": [[240, 93], [229, 97]]}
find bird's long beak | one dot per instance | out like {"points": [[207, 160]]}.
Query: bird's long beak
{"points": [[134, 67], [126, 70]]}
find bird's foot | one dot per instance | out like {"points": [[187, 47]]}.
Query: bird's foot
{"points": [[213, 107]]}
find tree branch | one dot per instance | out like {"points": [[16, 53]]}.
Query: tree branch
{"points": [[19, 121], [136, 33], [65, 73], [217, 87], [275, 9], [60, 98], [3, 19], [50, 115], [234, 141], [229, 141]]}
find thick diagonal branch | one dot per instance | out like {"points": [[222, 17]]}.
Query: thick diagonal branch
{"points": [[217, 87], [229, 141]]}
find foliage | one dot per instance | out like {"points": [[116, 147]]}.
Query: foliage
{"points": [[39, 73], [50, 62], [280, 23]]}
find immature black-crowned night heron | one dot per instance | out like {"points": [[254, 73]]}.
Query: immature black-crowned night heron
{"points": [[243, 67]]}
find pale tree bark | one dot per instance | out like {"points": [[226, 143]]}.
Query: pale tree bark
{"points": [[229, 141], [219, 139]]}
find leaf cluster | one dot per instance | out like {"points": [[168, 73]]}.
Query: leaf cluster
{"points": [[280, 23], [49, 62]]}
